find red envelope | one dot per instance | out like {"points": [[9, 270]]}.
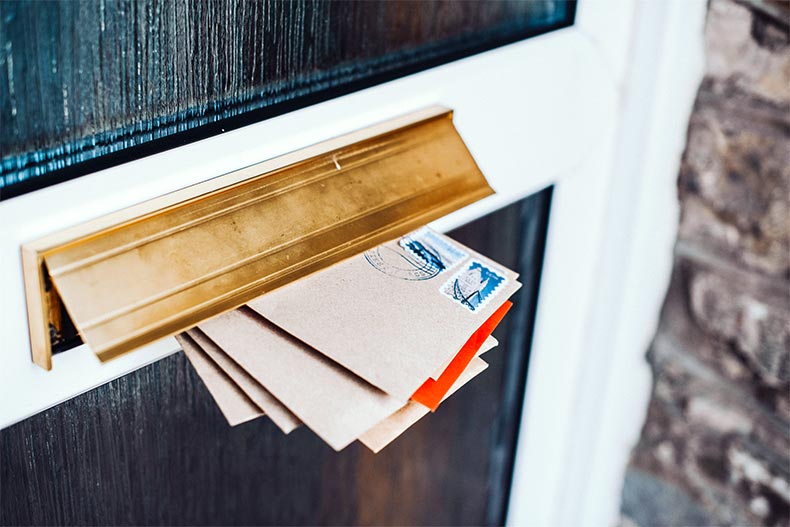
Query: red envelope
{"points": [[432, 391]]}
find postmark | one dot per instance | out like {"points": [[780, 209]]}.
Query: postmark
{"points": [[421, 255], [474, 285]]}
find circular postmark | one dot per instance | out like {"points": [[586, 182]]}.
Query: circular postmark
{"points": [[405, 263]]}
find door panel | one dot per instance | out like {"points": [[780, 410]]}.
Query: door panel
{"points": [[152, 448], [85, 85]]}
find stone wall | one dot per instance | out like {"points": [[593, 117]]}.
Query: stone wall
{"points": [[715, 447]]}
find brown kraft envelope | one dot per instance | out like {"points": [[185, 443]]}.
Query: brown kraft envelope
{"points": [[395, 314], [390, 428], [277, 412], [232, 402], [393, 426], [337, 405]]}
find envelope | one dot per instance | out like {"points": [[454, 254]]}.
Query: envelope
{"points": [[277, 412], [336, 404], [232, 402], [433, 390], [395, 314], [390, 428], [489, 344]]}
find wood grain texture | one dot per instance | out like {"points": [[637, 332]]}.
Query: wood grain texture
{"points": [[87, 84], [152, 448]]}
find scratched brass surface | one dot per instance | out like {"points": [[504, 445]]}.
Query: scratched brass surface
{"points": [[165, 269]]}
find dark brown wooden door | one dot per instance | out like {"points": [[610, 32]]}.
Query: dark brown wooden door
{"points": [[87, 84]]}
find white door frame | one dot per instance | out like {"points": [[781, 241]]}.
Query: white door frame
{"points": [[605, 276]]}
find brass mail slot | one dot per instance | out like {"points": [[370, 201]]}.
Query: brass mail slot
{"points": [[161, 267]]}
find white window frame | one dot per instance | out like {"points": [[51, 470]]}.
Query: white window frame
{"points": [[598, 109]]}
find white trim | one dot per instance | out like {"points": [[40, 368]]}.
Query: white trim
{"points": [[573, 451]]}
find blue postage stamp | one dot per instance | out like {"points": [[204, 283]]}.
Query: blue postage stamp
{"points": [[473, 285], [429, 246], [421, 255]]}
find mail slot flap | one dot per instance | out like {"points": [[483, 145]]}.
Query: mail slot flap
{"points": [[162, 267]]}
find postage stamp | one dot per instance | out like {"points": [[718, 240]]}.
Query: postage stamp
{"points": [[473, 285], [421, 255], [428, 245]]}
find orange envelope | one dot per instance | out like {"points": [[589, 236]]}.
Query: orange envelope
{"points": [[432, 392], [396, 314], [390, 428]]}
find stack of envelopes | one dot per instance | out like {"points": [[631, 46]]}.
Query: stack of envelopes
{"points": [[362, 349]]}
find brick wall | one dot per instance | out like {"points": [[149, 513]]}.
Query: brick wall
{"points": [[715, 447]]}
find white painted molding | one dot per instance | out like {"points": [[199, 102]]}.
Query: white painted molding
{"points": [[588, 389]]}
